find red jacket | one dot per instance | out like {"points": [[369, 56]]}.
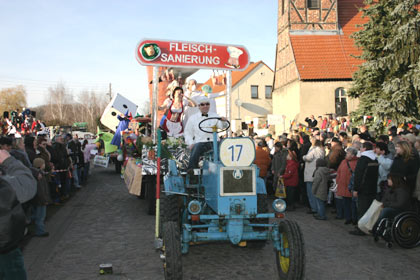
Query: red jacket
{"points": [[262, 160], [291, 175], [343, 177]]}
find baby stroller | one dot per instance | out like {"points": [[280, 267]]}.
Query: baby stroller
{"points": [[404, 229]]}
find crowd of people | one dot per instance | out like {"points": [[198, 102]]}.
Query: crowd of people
{"points": [[345, 171], [19, 124], [327, 162], [61, 166], [35, 173]]}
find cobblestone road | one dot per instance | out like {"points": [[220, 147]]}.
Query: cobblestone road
{"points": [[102, 223]]}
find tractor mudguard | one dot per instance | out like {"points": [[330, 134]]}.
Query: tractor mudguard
{"points": [[172, 167], [174, 184], [261, 186]]}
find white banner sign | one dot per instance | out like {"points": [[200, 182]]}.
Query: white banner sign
{"points": [[101, 161]]}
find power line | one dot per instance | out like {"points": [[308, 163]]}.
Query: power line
{"points": [[8, 78]]}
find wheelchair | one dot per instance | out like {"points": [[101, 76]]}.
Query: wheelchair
{"points": [[403, 229]]}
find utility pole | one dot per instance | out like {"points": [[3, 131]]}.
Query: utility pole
{"points": [[110, 92]]}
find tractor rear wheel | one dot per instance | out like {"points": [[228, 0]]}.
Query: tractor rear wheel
{"points": [[290, 260], [169, 208], [172, 258]]}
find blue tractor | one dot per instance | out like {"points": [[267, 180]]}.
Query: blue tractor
{"points": [[225, 200]]}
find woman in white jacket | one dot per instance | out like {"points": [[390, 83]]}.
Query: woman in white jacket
{"points": [[315, 152]]}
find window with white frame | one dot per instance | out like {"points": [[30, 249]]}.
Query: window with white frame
{"points": [[340, 102], [254, 92], [268, 90]]}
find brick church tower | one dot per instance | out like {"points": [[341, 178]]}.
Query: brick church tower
{"points": [[301, 17]]}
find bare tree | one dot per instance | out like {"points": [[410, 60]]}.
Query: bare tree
{"points": [[58, 98], [12, 98], [62, 108]]}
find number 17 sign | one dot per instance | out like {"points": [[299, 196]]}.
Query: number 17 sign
{"points": [[237, 151]]}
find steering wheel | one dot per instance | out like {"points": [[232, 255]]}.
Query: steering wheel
{"points": [[213, 128]]}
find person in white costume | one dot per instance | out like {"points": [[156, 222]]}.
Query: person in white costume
{"points": [[195, 95], [198, 141]]}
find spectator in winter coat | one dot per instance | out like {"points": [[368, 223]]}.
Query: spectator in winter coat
{"points": [[315, 152], [30, 147], [312, 122], [270, 143], [365, 182], [344, 172], [61, 161], [390, 144], [262, 159], [305, 146], [41, 199], [291, 179], [16, 185], [406, 163], [74, 148], [336, 154], [19, 153], [385, 162], [278, 165], [87, 148], [44, 153], [320, 187]]}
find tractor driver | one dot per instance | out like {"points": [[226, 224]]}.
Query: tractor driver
{"points": [[198, 141]]}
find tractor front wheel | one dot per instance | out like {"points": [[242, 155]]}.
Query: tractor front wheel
{"points": [[172, 261], [290, 260]]}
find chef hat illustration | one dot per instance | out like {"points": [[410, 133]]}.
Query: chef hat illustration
{"points": [[234, 52]]}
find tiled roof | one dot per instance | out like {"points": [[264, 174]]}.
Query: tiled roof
{"points": [[237, 76], [330, 56]]}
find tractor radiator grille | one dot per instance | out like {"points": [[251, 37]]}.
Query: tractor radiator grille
{"points": [[238, 181]]}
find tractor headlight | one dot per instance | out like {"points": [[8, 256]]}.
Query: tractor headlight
{"points": [[279, 205], [194, 207]]}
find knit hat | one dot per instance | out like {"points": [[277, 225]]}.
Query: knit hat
{"points": [[38, 162]]}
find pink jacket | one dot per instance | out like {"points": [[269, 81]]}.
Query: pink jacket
{"points": [[86, 152]]}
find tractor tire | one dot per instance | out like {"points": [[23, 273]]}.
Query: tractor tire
{"points": [[150, 195], [172, 265], [291, 264], [262, 207], [169, 208]]}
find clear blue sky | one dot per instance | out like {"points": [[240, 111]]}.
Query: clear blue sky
{"points": [[89, 44]]}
